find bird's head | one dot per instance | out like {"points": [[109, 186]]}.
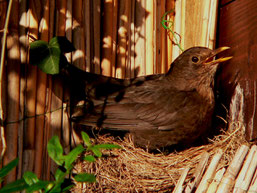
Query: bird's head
{"points": [[196, 64]]}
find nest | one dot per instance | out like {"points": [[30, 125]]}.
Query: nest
{"points": [[133, 169]]}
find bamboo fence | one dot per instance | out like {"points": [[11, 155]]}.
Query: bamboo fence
{"points": [[116, 38]]}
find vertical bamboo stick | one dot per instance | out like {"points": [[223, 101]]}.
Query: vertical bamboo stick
{"points": [[122, 40], [88, 29], [97, 29], [114, 35], [107, 38], [57, 89], [68, 26], [177, 28], [141, 14], [149, 37], [41, 96], [29, 137], [158, 36], [128, 40], [132, 40], [209, 174], [170, 4], [13, 90], [164, 41], [23, 57], [227, 181], [78, 56], [212, 24], [204, 24], [183, 23]]}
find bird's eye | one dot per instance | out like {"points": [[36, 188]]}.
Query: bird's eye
{"points": [[195, 59]]}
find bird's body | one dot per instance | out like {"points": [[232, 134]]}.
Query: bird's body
{"points": [[158, 110]]}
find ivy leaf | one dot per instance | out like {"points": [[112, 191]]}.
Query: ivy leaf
{"points": [[72, 156], [30, 178], [89, 158], [55, 150], [86, 139], [96, 151], [15, 186], [46, 57], [63, 43], [107, 146], [6, 169], [85, 177]]}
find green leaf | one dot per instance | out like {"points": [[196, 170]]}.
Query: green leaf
{"points": [[63, 186], [38, 186], [6, 169], [72, 156], [96, 151], [63, 43], [15, 186], [86, 139], [45, 56], [55, 150], [30, 178], [89, 158], [107, 146], [85, 177], [60, 174]]}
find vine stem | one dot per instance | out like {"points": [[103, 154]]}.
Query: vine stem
{"points": [[1, 79]]}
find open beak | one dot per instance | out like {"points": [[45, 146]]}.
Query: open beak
{"points": [[210, 60]]}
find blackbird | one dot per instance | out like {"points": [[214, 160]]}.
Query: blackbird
{"points": [[157, 110]]}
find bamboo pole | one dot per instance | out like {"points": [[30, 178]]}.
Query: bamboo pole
{"points": [[177, 28], [97, 29], [122, 40], [128, 40], [204, 22], [41, 96], [158, 36], [68, 26], [209, 174], [139, 38], [107, 38], [227, 181], [253, 185], [198, 173], [13, 71], [212, 24], [29, 136], [170, 6], [164, 41], [247, 172], [4, 25], [179, 186], [23, 26], [216, 181], [132, 40], [88, 29], [149, 37], [78, 56]]}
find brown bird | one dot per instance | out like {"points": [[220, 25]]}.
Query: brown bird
{"points": [[158, 110]]}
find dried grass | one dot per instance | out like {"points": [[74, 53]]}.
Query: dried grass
{"points": [[132, 169]]}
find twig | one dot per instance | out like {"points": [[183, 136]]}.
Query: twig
{"points": [[179, 186], [1, 77]]}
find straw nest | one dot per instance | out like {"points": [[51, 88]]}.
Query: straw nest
{"points": [[133, 169]]}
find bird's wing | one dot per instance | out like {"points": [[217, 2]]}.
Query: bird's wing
{"points": [[147, 105]]}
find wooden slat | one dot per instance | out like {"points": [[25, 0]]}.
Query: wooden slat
{"points": [[41, 96], [141, 14], [106, 49], [149, 37], [96, 35], [13, 89]]}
